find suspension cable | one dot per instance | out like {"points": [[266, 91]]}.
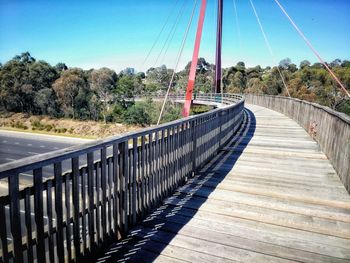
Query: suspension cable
{"points": [[269, 46], [178, 59], [312, 48], [237, 25], [159, 34], [172, 30]]}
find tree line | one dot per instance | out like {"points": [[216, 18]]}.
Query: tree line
{"points": [[35, 87]]}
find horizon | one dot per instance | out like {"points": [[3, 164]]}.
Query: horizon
{"points": [[95, 35]]}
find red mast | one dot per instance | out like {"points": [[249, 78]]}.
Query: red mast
{"points": [[192, 77]]}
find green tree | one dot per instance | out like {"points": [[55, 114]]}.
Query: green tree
{"points": [[102, 82], [67, 88]]}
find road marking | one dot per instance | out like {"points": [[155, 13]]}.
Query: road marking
{"points": [[33, 153], [28, 175], [4, 141], [42, 146], [56, 148], [10, 159], [29, 144], [16, 143]]}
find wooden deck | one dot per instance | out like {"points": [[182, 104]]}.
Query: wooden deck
{"points": [[269, 196]]}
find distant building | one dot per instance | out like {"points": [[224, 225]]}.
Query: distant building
{"points": [[128, 71]]}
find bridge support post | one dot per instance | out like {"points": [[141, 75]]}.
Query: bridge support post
{"points": [[218, 48]]}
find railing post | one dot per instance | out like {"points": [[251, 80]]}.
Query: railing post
{"points": [[194, 147], [39, 214], [13, 186]]}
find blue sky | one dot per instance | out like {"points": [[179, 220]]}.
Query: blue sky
{"points": [[119, 34]]}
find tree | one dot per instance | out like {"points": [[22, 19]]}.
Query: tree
{"points": [[102, 82], [61, 67], [284, 63], [67, 88], [304, 64], [138, 114]]}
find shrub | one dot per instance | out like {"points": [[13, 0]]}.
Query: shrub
{"points": [[137, 114]]}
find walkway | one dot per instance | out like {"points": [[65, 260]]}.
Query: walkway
{"points": [[269, 196]]}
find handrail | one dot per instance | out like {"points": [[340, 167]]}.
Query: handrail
{"points": [[86, 196]]}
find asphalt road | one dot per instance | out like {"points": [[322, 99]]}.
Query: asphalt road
{"points": [[17, 145]]}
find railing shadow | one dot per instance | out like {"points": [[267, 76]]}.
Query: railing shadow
{"points": [[146, 241]]}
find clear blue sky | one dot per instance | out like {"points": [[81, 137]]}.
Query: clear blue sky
{"points": [[118, 34]]}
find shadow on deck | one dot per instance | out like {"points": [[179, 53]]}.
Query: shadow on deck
{"points": [[146, 242]]}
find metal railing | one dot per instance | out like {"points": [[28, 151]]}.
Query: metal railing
{"points": [[82, 198]]}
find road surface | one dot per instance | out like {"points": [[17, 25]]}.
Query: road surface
{"points": [[17, 145]]}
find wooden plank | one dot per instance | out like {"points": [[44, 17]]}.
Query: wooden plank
{"points": [[39, 214]]}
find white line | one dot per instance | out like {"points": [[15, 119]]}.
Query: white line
{"points": [[16, 143], [10, 159], [28, 175], [29, 144], [42, 146], [33, 153], [4, 141]]}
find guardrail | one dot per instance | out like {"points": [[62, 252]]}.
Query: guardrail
{"points": [[331, 129], [82, 198]]}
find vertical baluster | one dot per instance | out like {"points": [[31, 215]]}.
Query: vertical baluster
{"points": [[162, 164], [126, 185], [104, 190], [76, 206], [3, 234], [156, 168], [148, 176], [109, 195], [68, 216], [167, 161], [172, 158], [13, 186], [28, 222], [83, 207], [143, 178], [59, 211], [90, 161], [116, 191], [151, 163], [134, 181], [98, 196], [49, 219], [39, 214]]}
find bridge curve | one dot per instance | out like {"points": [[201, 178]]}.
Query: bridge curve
{"points": [[270, 195], [262, 191]]}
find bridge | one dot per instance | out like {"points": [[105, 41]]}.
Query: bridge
{"points": [[261, 178], [257, 179]]}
